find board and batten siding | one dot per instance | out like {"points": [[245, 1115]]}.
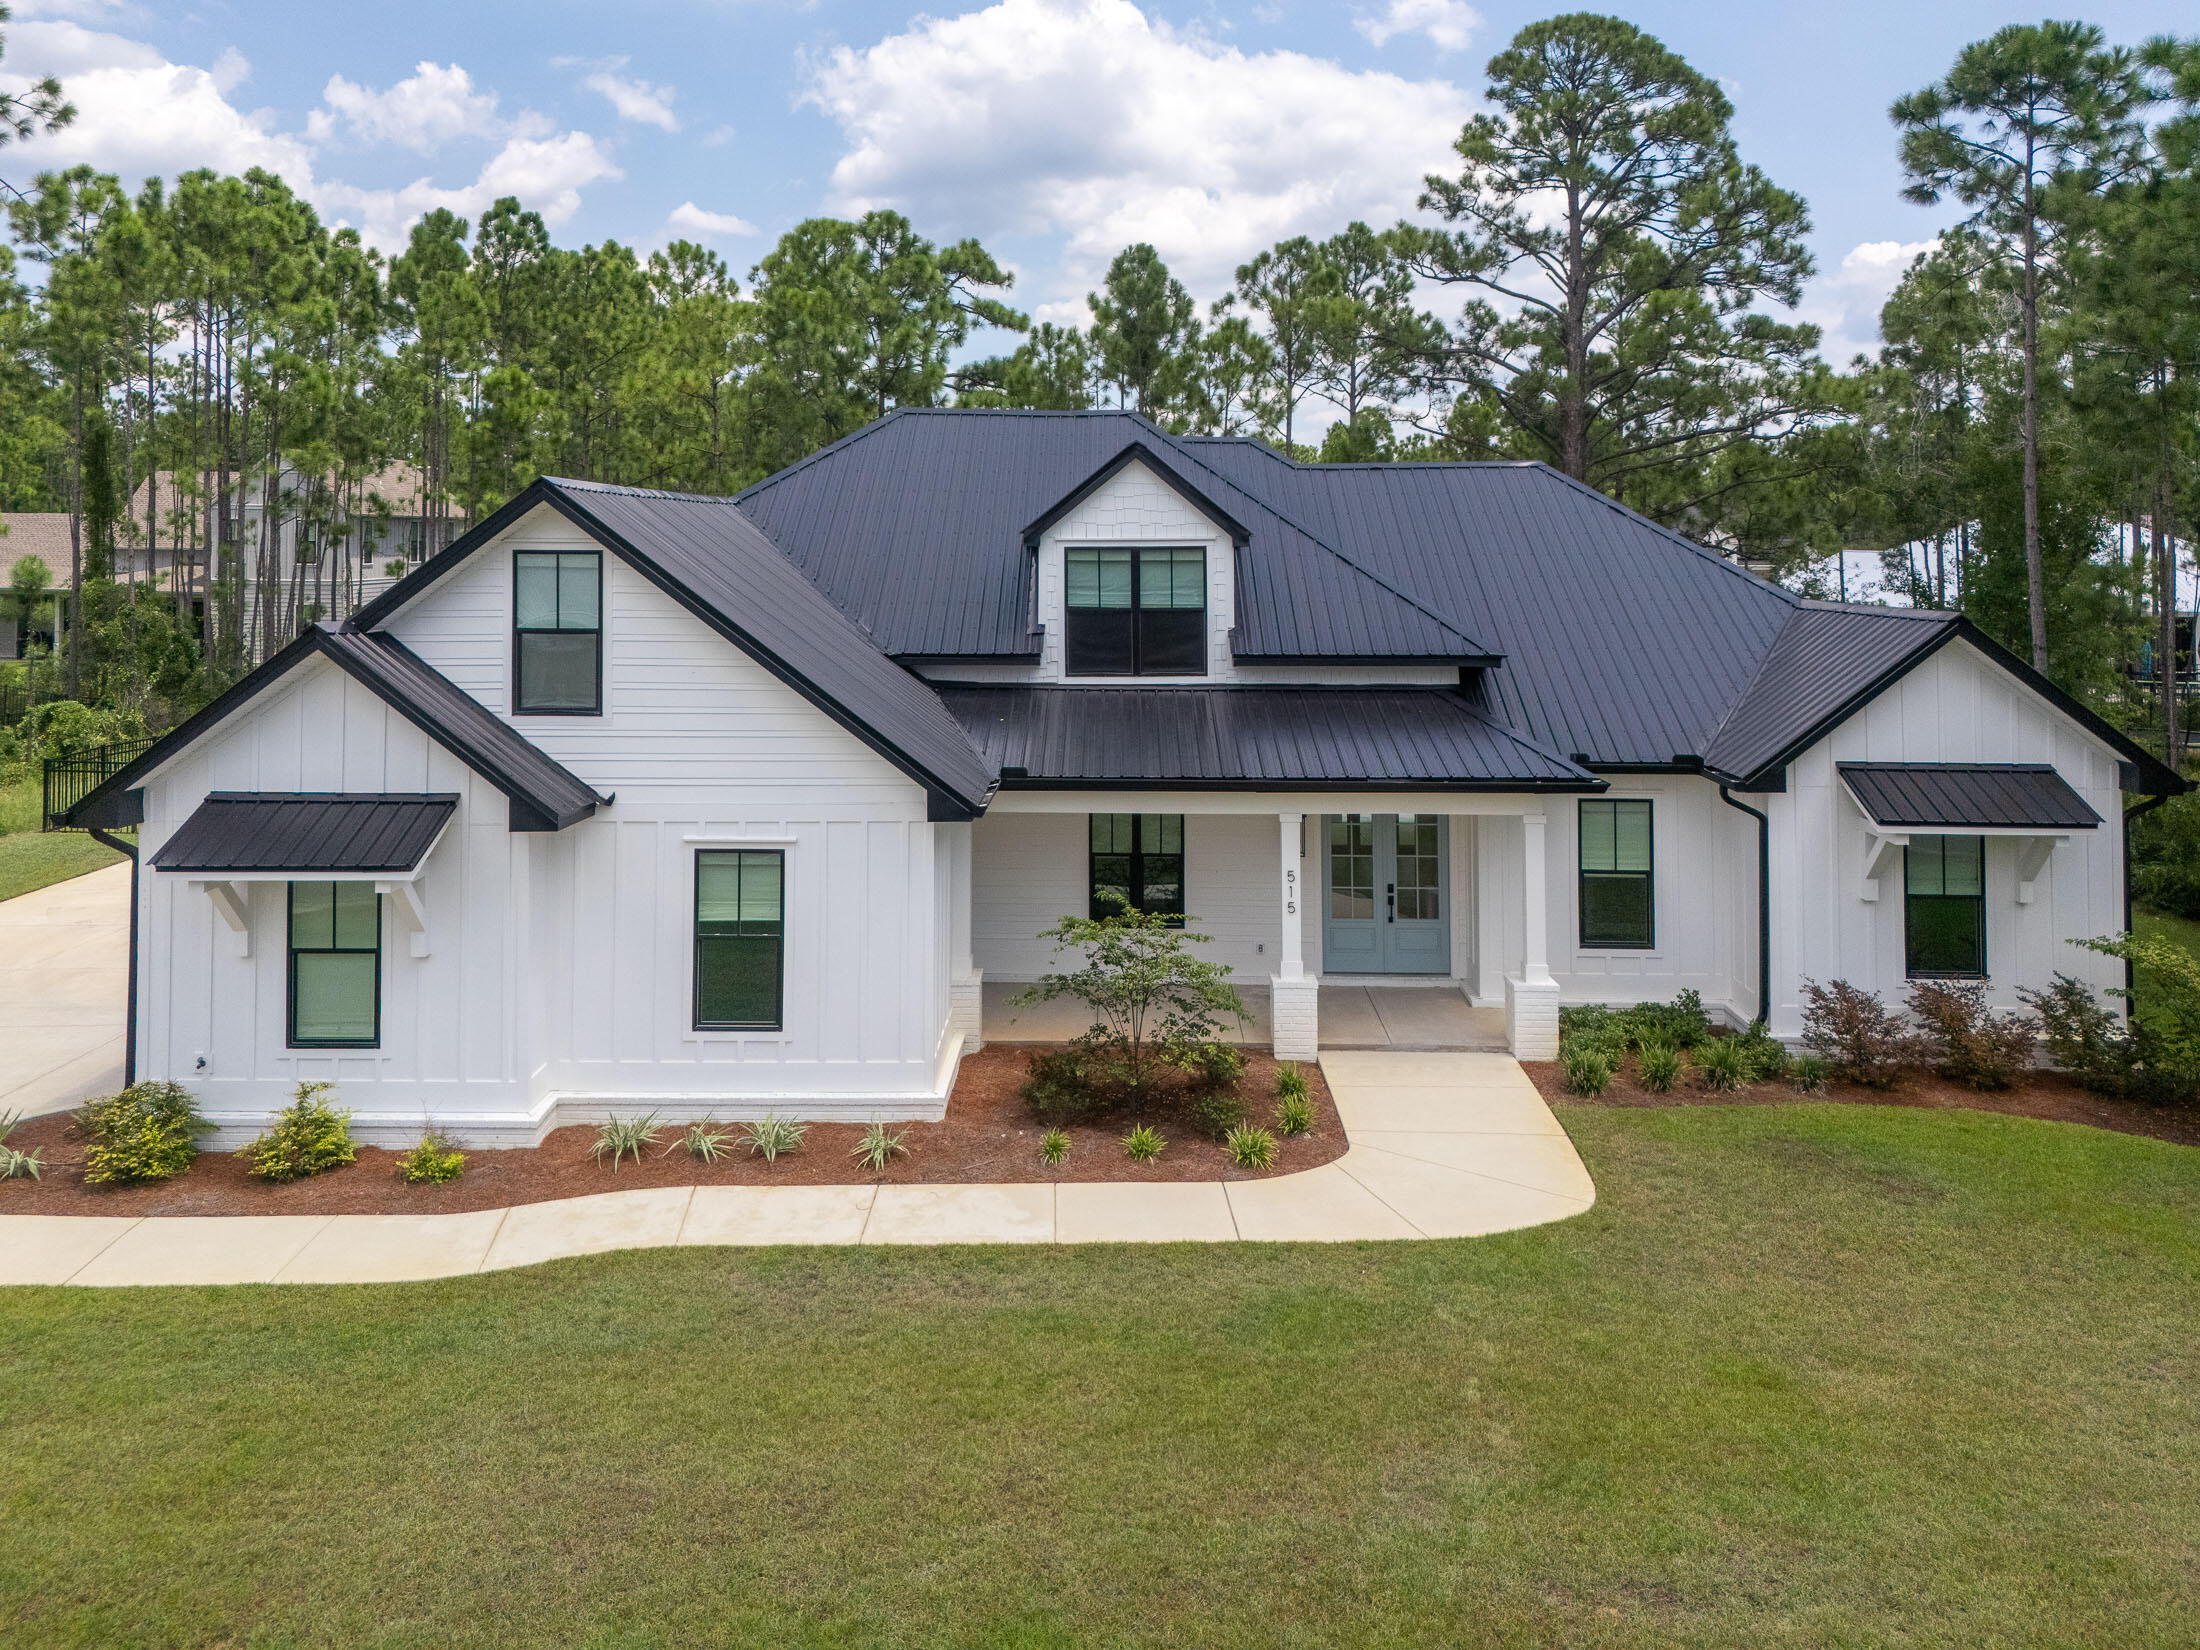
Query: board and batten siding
{"points": [[1958, 706]]}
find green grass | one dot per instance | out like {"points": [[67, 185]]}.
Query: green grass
{"points": [[2182, 930], [1806, 1375], [30, 858]]}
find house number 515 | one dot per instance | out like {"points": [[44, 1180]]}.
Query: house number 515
{"points": [[1290, 893]]}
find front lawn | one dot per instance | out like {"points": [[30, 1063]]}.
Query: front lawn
{"points": [[30, 858], [1806, 1375]]}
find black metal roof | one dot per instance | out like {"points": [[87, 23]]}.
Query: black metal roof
{"points": [[1990, 796], [1252, 738], [710, 557], [915, 525], [307, 831], [544, 795]]}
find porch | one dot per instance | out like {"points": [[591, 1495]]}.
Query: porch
{"points": [[1433, 1016]]}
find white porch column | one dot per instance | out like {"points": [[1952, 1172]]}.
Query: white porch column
{"points": [[1294, 997], [965, 982], [1531, 996]]}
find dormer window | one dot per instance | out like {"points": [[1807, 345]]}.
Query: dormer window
{"points": [[1136, 612], [557, 641]]}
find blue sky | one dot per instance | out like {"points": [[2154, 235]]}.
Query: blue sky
{"points": [[1055, 130]]}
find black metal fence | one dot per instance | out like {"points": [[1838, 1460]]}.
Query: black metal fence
{"points": [[69, 779]]}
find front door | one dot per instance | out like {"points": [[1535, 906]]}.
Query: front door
{"points": [[1383, 908]]}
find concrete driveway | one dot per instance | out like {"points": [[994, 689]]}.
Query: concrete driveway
{"points": [[64, 991]]}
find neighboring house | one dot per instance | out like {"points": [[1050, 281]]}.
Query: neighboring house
{"points": [[635, 801], [41, 536]]}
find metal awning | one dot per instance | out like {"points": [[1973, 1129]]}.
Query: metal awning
{"points": [[1938, 797], [273, 836]]}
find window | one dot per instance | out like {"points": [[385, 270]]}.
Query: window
{"points": [[1618, 908], [335, 965], [1141, 858], [1944, 906], [740, 939], [557, 641], [1137, 612]]}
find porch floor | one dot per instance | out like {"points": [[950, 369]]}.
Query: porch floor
{"points": [[1352, 1016]]}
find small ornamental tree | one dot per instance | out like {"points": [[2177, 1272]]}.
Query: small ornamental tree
{"points": [[1155, 1005]]}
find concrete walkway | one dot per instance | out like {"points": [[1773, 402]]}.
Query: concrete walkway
{"points": [[1442, 1145], [64, 991]]}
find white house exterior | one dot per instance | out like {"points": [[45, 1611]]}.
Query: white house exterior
{"points": [[634, 802]]}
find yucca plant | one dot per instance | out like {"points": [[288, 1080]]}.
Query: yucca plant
{"points": [[624, 1137], [1144, 1143], [772, 1134], [1054, 1146], [705, 1141], [877, 1148], [1251, 1148], [15, 1165]]}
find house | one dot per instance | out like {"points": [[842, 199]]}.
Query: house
{"points": [[635, 801]]}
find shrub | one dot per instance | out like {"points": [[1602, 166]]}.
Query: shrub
{"points": [[1764, 1054], [1807, 1074], [1294, 1114], [1066, 1085], [1252, 1148], [1854, 1034], [624, 1137], [2165, 856], [1152, 1000], [147, 1132], [434, 1162], [705, 1141], [1724, 1064], [1216, 1114], [1054, 1146], [1587, 1070], [877, 1148], [310, 1137], [2165, 1033], [1658, 1067], [1213, 1065], [2084, 1038], [1290, 1081], [1682, 1022], [1971, 1044], [1144, 1143], [15, 1165], [772, 1134]]}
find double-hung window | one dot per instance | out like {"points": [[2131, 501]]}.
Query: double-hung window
{"points": [[1138, 858], [740, 939], [557, 632], [1618, 900], [1136, 612], [1944, 907], [335, 965]]}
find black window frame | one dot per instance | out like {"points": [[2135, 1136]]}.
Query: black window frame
{"points": [[293, 950], [1137, 855], [1648, 876], [1138, 644], [1910, 896], [519, 631], [778, 1019]]}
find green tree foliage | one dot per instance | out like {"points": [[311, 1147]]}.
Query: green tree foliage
{"points": [[1145, 332]]}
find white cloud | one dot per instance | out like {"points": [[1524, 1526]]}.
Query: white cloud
{"points": [[1845, 303], [689, 219], [1449, 24], [547, 174], [1085, 118], [428, 108], [636, 100], [717, 137]]}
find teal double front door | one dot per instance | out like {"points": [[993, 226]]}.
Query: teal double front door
{"points": [[1385, 906]]}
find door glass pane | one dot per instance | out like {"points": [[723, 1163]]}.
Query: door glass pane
{"points": [[557, 670], [1420, 875], [334, 996], [1352, 867], [535, 582]]}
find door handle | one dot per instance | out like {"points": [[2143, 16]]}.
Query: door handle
{"points": [[1390, 902]]}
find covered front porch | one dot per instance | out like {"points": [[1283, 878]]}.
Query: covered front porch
{"points": [[1405, 920]]}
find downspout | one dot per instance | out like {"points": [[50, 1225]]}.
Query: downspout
{"points": [[2131, 971], [1764, 903], [129, 1034]]}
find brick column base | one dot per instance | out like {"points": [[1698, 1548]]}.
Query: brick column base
{"points": [[966, 1009], [1295, 1008], [1531, 1018]]}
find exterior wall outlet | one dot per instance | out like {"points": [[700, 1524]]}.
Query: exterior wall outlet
{"points": [[198, 1062]]}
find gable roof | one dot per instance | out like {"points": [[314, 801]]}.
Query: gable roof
{"points": [[544, 795], [711, 559], [916, 527]]}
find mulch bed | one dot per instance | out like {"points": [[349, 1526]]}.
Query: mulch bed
{"points": [[988, 1135], [2042, 1094]]}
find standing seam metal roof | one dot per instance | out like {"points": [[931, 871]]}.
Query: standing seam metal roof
{"points": [[307, 831], [1987, 796]]}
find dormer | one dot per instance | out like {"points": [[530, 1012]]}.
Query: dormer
{"points": [[1135, 578]]}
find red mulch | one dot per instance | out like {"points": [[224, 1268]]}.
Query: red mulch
{"points": [[987, 1135], [2043, 1094]]}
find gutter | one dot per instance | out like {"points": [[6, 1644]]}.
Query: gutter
{"points": [[1764, 902], [2131, 969], [129, 1033]]}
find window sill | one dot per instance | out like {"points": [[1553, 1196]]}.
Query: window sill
{"points": [[732, 1036]]}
